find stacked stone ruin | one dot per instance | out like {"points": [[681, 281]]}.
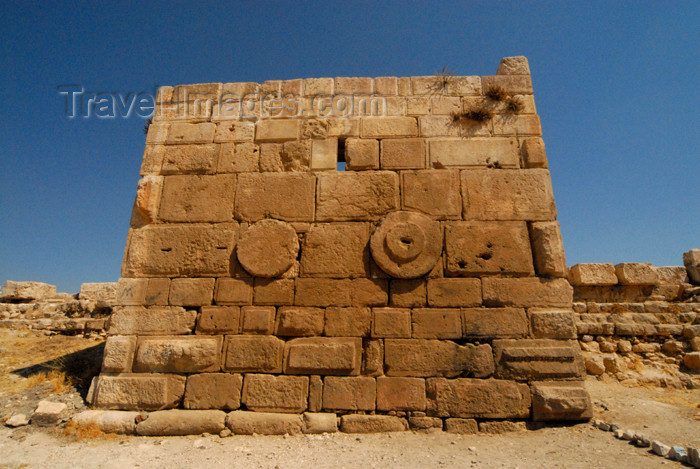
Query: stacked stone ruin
{"points": [[425, 281]]}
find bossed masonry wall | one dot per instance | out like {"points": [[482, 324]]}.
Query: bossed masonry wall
{"points": [[425, 280]]}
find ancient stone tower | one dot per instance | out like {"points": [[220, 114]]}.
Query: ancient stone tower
{"points": [[424, 280]]}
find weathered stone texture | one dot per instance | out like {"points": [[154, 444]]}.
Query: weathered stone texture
{"points": [[178, 354], [537, 359], [213, 391], [323, 356], [268, 248], [494, 322], [349, 393], [470, 398], [267, 393], [508, 195], [433, 192], [475, 153], [288, 197], [197, 198], [129, 320], [524, 292], [345, 196], [592, 274], [422, 358], [560, 401], [261, 354], [118, 354], [178, 250], [476, 248], [400, 393], [140, 391], [248, 423], [336, 250], [372, 424], [181, 422]]}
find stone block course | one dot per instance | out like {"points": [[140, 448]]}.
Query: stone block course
{"points": [[436, 323], [433, 192], [178, 354], [347, 196], [348, 322], [281, 196], [323, 356], [268, 393], [219, 320], [257, 354], [446, 292], [475, 153], [349, 393], [400, 394], [213, 391], [403, 153]]}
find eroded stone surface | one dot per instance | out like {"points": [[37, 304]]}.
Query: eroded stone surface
{"points": [[268, 248], [406, 244]]}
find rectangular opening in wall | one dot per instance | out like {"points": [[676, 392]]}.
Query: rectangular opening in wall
{"points": [[341, 154]]}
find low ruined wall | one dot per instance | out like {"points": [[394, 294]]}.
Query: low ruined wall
{"points": [[638, 323]]}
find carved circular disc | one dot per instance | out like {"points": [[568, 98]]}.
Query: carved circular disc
{"points": [[406, 244], [268, 248]]}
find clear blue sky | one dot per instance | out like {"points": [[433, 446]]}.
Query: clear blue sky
{"points": [[616, 86]]}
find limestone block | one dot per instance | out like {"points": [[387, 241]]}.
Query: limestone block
{"points": [[537, 359], [348, 322], [213, 391], [103, 294], [445, 105], [320, 423], [238, 158], [425, 424], [268, 393], [118, 354], [181, 422], [592, 274], [497, 427], [373, 358], [470, 398], [444, 126], [143, 291], [179, 250], [672, 275], [271, 157], [349, 393], [512, 84], [487, 247], [180, 159], [548, 249], [108, 421], [527, 292], [284, 196], [147, 199], [343, 127], [48, 413], [27, 291], [323, 356], [508, 195], [249, 353], [131, 320], [461, 426], [234, 131], [552, 324], [268, 248], [340, 292], [533, 153], [633, 273], [560, 401], [219, 320], [494, 322], [277, 130], [178, 354], [324, 154], [386, 86], [273, 291], [377, 127], [233, 291], [248, 423], [417, 105], [315, 393], [366, 195], [157, 133], [406, 244], [199, 91], [185, 133], [434, 192], [257, 319], [436, 323], [446, 292], [356, 423], [316, 86], [408, 292], [400, 393], [314, 129], [475, 153], [691, 260], [296, 155], [191, 291], [692, 361], [524, 124], [422, 358], [513, 66], [464, 85], [361, 154], [391, 322], [299, 321], [403, 153], [141, 391], [353, 85], [336, 250]]}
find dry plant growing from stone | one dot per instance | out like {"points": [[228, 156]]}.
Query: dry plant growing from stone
{"points": [[513, 105], [476, 114], [444, 77], [496, 93]]}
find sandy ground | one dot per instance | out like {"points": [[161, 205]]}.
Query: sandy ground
{"points": [[672, 416]]}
